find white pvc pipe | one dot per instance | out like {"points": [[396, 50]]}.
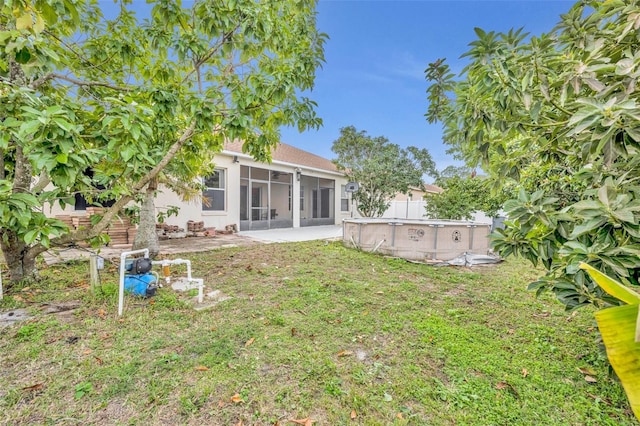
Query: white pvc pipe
{"points": [[123, 256]]}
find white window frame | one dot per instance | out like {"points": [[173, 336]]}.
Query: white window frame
{"points": [[222, 188], [344, 196]]}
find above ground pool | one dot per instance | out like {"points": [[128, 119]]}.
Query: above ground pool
{"points": [[417, 239]]}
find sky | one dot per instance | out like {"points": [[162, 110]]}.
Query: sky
{"points": [[376, 55]]}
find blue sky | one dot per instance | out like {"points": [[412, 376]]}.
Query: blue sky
{"points": [[376, 55]]}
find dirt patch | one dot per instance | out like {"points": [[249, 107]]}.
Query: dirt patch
{"points": [[115, 412], [454, 292]]}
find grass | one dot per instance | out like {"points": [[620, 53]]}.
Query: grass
{"points": [[312, 330]]}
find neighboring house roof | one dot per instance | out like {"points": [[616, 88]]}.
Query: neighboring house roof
{"points": [[432, 188], [289, 154], [418, 193]]}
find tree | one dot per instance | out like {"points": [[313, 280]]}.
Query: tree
{"points": [[462, 196], [559, 113], [381, 168], [453, 171], [128, 99]]}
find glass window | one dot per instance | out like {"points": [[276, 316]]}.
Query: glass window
{"points": [[213, 197], [344, 199]]}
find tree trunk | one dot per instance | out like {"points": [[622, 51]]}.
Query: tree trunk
{"points": [[147, 237], [21, 261]]}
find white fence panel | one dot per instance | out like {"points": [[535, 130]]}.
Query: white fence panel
{"points": [[406, 209], [415, 210]]}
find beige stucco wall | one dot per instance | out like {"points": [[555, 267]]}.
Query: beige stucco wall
{"points": [[231, 215], [192, 210]]}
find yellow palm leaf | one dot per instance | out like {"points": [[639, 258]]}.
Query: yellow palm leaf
{"points": [[618, 328], [612, 286]]}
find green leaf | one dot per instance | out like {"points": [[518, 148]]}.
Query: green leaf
{"points": [[624, 215], [128, 152], [31, 236], [29, 127], [23, 56], [63, 124], [62, 158], [28, 199], [611, 286], [588, 226]]}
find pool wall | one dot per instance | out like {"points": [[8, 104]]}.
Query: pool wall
{"points": [[415, 239]]}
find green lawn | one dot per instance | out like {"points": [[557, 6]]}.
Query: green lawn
{"points": [[312, 331]]}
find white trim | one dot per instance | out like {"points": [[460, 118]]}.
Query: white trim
{"points": [[282, 163]]}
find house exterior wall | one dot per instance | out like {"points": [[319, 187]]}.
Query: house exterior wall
{"points": [[279, 199], [231, 163]]}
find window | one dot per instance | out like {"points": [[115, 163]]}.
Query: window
{"points": [[344, 199], [81, 203], [213, 197]]}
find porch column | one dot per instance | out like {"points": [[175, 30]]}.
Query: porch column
{"points": [[295, 197]]}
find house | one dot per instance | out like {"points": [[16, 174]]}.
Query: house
{"points": [[411, 205], [418, 194], [296, 189]]}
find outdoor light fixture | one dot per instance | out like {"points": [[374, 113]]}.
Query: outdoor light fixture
{"points": [[235, 159], [298, 174]]}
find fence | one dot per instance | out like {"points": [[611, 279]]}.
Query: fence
{"points": [[415, 210]]}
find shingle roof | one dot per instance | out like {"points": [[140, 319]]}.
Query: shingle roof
{"points": [[290, 154], [433, 188]]}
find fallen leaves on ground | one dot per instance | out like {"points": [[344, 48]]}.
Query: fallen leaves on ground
{"points": [[201, 368], [525, 372], [588, 374], [587, 370], [33, 388], [542, 315], [508, 386], [353, 414], [249, 342], [600, 399], [304, 422], [344, 353], [237, 399]]}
